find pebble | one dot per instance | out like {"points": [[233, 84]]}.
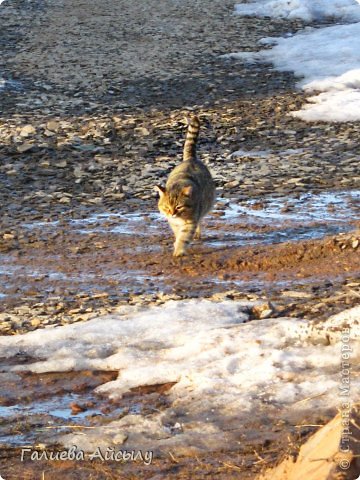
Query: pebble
{"points": [[27, 130], [262, 310], [232, 184], [296, 294], [53, 126], [25, 147]]}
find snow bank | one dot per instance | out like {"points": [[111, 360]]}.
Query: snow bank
{"points": [[331, 67], [227, 370], [308, 10], [327, 58]]}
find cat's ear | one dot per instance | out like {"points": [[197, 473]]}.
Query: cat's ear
{"points": [[161, 190], [187, 191]]}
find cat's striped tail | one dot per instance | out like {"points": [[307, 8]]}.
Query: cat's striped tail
{"points": [[191, 138]]}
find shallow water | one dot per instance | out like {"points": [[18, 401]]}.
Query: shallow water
{"points": [[54, 406], [331, 211]]}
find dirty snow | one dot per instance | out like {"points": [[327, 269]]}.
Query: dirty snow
{"points": [[327, 58], [224, 366]]}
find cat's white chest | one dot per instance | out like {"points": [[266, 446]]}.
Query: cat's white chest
{"points": [[175, 221]]}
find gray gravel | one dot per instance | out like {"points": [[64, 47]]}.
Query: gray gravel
{"points": [[95, 119], [153, 53]]}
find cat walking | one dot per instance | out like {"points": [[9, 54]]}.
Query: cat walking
{"points": [[189, 193]]}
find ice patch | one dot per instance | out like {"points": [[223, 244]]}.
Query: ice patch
{"points": [[225, 368], [251, 153], [306, 208]]}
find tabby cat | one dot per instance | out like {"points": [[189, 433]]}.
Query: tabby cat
{"points": [[189, 193]]}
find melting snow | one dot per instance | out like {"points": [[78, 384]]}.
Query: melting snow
{"points": [[223, 366], [327, 58], [308, 10]]}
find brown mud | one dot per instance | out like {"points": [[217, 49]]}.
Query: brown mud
{"points": [[59, 272]]}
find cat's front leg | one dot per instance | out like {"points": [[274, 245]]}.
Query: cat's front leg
{"points": [[198, 232], [183, 239]]}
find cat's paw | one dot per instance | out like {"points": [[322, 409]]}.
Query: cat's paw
{"points": [[179, 252]]}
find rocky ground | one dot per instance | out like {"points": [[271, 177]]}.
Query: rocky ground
{"points": [[92, 118]]}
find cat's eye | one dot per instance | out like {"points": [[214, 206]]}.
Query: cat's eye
{"points": [[180, 208]]}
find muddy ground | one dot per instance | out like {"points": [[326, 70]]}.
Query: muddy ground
{"points": [[91, 119]]}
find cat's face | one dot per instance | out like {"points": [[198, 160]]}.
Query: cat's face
{"points": [[177, 205]]}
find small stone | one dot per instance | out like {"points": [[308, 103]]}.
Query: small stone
{"points": [[27, 130], [355, 243], [64, 200], [263, 310], [120, 438], [25, 147], [76, 408], [61, 164], [8, 236], [49, 133], [35, 322], [117, 196], [78, 172], [143, 131], [232, 184], [295, 294], [53, 126]]}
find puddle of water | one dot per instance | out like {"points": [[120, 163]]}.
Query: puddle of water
{"points": [[54, 407], [323, 207], [337, 206], [291, 218], [10, 84], [278, 236], [49, 411]]}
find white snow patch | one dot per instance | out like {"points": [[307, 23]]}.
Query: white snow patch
{"points": [[224, 368], [246, 57], [308, 10], [327, 58], [251, 153]]}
